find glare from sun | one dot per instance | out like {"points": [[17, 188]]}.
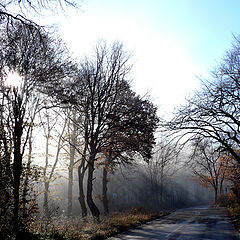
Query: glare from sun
{"points": [[13, 79]]}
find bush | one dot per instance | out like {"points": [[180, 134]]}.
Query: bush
{"points": [[234, 212], [226, 200]]}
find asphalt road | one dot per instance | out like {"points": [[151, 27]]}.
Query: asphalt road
{"points": [[191, 223]]}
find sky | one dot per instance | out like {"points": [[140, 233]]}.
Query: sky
{"points": [[172, 42]]}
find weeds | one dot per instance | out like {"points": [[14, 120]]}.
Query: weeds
{"points": [[83, 229], [234, 212]]}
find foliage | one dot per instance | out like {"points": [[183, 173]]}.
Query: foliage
{"points": [[209, 165], [234, 212]]}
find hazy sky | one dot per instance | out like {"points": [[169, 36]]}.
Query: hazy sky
{"points": [[172, 41]]}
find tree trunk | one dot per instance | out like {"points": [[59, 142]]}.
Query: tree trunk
{"points": [[45, 200], [46, 179], [70, 188], [17, 170], [17, 167], [81, 173], [216, 194], [70, 174], [104, 190], [92, 206], [73, 142], [81, 197], [161, 188], [28, 169]]}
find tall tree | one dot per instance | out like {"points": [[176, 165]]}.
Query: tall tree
{"points": [[28, 59], [104, 80], [132, 125], [100, 96]]}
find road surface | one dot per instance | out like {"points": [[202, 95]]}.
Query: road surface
{"points": [[191, 223]]}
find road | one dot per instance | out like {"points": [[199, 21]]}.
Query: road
{"points": [[191, 223]]}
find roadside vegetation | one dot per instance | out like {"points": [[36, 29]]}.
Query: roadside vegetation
{"points": [[234, 212], [77, 228]]}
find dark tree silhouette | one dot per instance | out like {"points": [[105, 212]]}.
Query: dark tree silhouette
{"points": [[29, 54], [110, 114], [132, 123], [213, 112]]}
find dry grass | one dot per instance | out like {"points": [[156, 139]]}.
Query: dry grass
{"points": [[79, 229]]}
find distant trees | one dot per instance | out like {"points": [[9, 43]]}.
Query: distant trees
{"points": [[161, 167], [209, 166], [72, 135], [54, 128], [212, 115]]}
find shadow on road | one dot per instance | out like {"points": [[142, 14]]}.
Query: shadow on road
{"points": [[189, 223]]}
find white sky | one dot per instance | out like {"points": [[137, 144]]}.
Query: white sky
{"points": [[162, 65]]}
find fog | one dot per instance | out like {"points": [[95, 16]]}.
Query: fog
{"points": [[131, 187]]}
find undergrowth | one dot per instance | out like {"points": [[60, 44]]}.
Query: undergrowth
{"points": [[234, 212], [85, 229], [232, 203]]}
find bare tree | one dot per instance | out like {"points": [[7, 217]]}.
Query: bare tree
{"points": [[74, 146], [209, 166], [97, 96], [30, 60], [104, 81], [8, 14], [77, 152], [54, 129], [161, 167], [213, 112], [72, 134]]}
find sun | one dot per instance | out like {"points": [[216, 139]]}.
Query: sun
{"points": [[13, 79]]}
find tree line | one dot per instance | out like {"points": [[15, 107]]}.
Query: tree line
{"points": [[108, 123]]}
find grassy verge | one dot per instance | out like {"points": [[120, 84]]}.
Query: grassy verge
{"points": [[79, 229], [234, 213]]}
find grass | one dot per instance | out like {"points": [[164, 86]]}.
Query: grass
{"points": [[79, 229], [234, 213]]}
